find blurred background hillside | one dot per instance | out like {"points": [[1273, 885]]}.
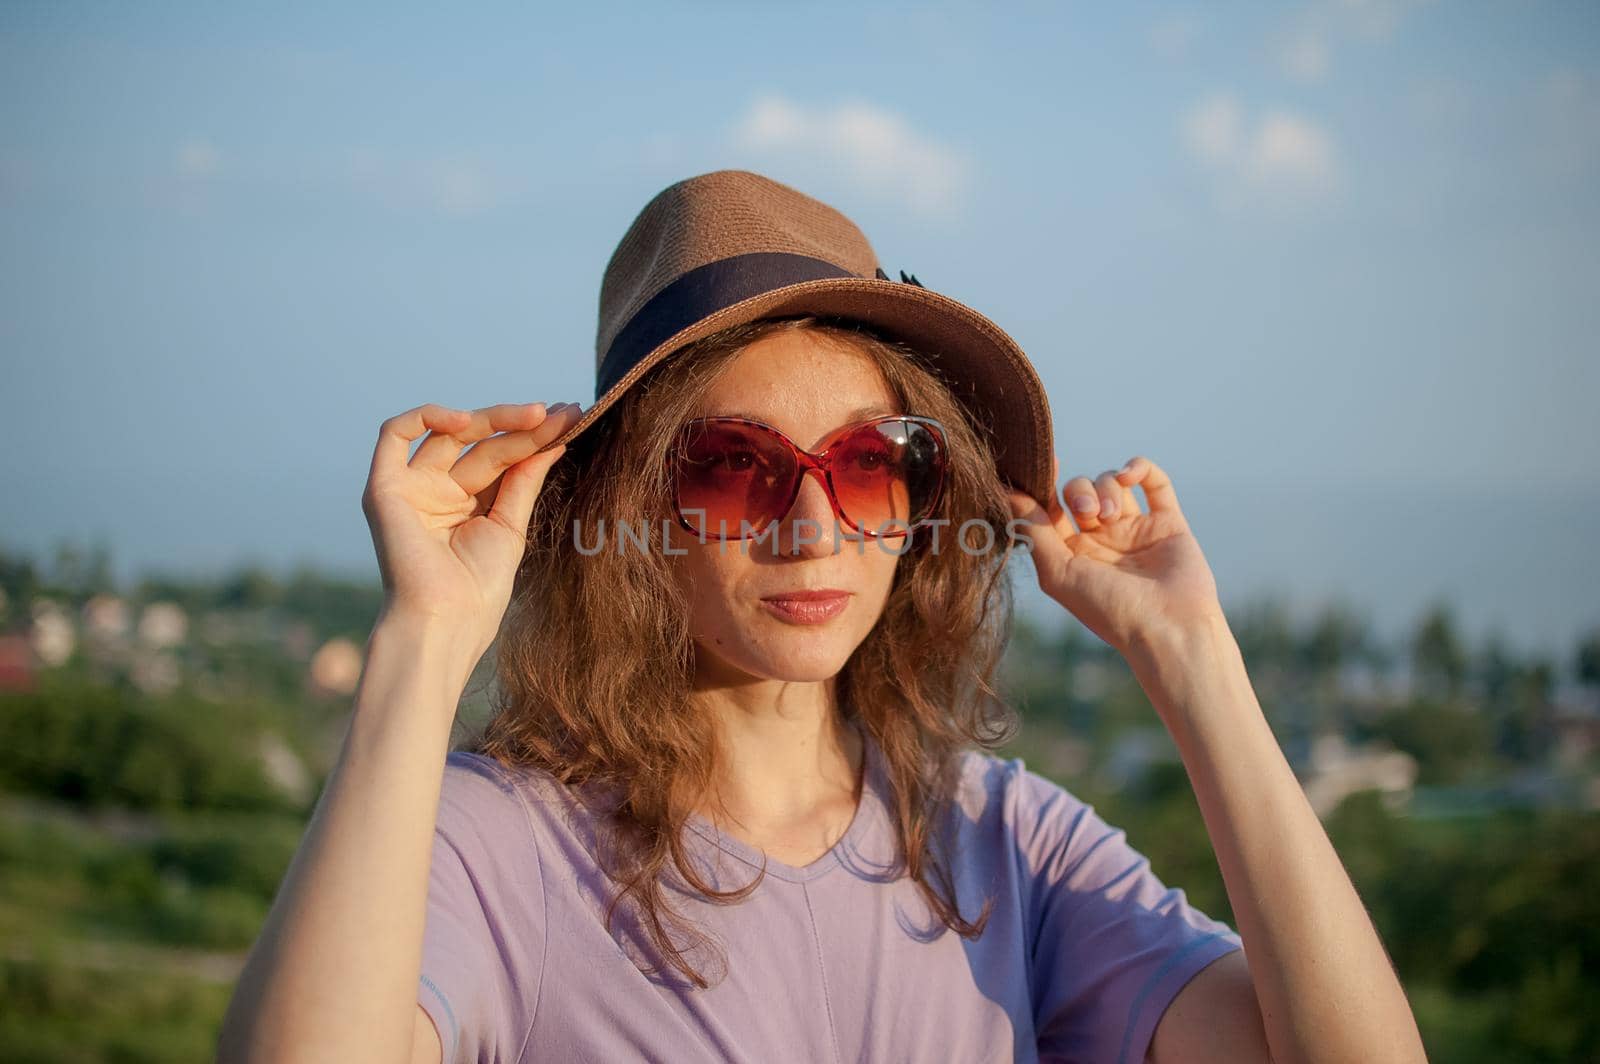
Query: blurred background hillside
{"points": [[161, 745], [1333, 263]]}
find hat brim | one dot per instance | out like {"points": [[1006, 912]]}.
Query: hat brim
{"points": [[984, 368]]}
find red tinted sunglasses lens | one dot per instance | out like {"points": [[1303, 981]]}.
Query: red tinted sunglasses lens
{"points": [[887, 475], [732, 475], [735, 478]]}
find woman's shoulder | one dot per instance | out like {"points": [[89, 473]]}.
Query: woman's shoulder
{"points": [[483, 797], [990, 779], [479, 774], [473, 777], [1003, 793]]}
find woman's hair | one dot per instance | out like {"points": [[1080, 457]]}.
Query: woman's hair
{"points": [[595, 662]]}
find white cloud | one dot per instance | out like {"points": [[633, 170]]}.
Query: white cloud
{"points": [[459, 186], [192, 191], [1288, 150], [1213, 129], [1280, 155], [1303, 50], [1377, 19], [773, 121], [872, 148], [197, 160]]}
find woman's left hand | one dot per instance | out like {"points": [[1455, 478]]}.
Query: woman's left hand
{"points": [[1131, 577]]}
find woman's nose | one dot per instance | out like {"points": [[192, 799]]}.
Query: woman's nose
{"points": [[810, 527]]}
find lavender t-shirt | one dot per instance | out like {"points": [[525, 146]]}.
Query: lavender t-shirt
{"points": [[831, 962]]}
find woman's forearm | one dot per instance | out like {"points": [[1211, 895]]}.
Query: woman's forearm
{"points": [[333, 975], [1326, 988]]}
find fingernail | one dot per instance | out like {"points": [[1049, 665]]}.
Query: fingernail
{"points": [[1108, 508], [1083, 503]]}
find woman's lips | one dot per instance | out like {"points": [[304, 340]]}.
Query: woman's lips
{"points": [[807, 607]]}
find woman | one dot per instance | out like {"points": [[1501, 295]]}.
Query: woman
{"points": [[736, 802]]}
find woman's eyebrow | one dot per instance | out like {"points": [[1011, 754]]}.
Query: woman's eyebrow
{"points": [[861, 413], [874, 410]]}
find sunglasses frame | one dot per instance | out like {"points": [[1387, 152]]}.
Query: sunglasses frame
{"points": [[821, 461]]}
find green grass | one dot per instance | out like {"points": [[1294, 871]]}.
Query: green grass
{"points": [[60, 1013], [199, 881]]}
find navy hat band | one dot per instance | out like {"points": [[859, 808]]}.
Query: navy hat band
{"points": [[698, 294]]}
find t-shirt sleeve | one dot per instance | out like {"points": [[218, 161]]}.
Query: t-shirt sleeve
{"points": [[1112, 945], [483, 942]]}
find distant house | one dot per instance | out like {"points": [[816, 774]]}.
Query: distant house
{"points": [[1337, 770], [105, 617], [16, 662], [52, 635], [163, 624], [335, 668]]}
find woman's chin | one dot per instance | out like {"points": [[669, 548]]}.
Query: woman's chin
{"points": [[808, 658]]}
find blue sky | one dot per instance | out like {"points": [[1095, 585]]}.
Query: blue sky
{"points": [[1333, 264]]}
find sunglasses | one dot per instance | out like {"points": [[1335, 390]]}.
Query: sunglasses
{"points": [[733, 473]]}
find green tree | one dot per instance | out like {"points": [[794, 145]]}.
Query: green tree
{"points": [[1526, 715], [250, 588], [20, 581], [1452, 743], [1586, 662], [1494, 668], [1338, 636], [1437, 656]]}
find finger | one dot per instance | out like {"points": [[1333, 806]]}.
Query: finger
{"points": [[440, 450], [1158, 490], [1084, 501], [479, 467], [1116, 500], [396, 434], [1050, 552], [1059, 518], [519, 490]]}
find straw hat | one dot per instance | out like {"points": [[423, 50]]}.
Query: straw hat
{"points": [[731, 246]]}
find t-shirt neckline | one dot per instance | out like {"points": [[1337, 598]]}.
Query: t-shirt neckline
{"points": [[872, 785]]}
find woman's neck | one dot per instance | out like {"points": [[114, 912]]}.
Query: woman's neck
{"points": [[791, 769]]}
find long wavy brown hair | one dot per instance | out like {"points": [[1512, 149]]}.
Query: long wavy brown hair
{"points": [[594, 662]]}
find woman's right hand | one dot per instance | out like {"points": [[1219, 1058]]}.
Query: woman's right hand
{"points": [[450, 528]]}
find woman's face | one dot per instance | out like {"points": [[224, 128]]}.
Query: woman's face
{"points": [[805, 386]]}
